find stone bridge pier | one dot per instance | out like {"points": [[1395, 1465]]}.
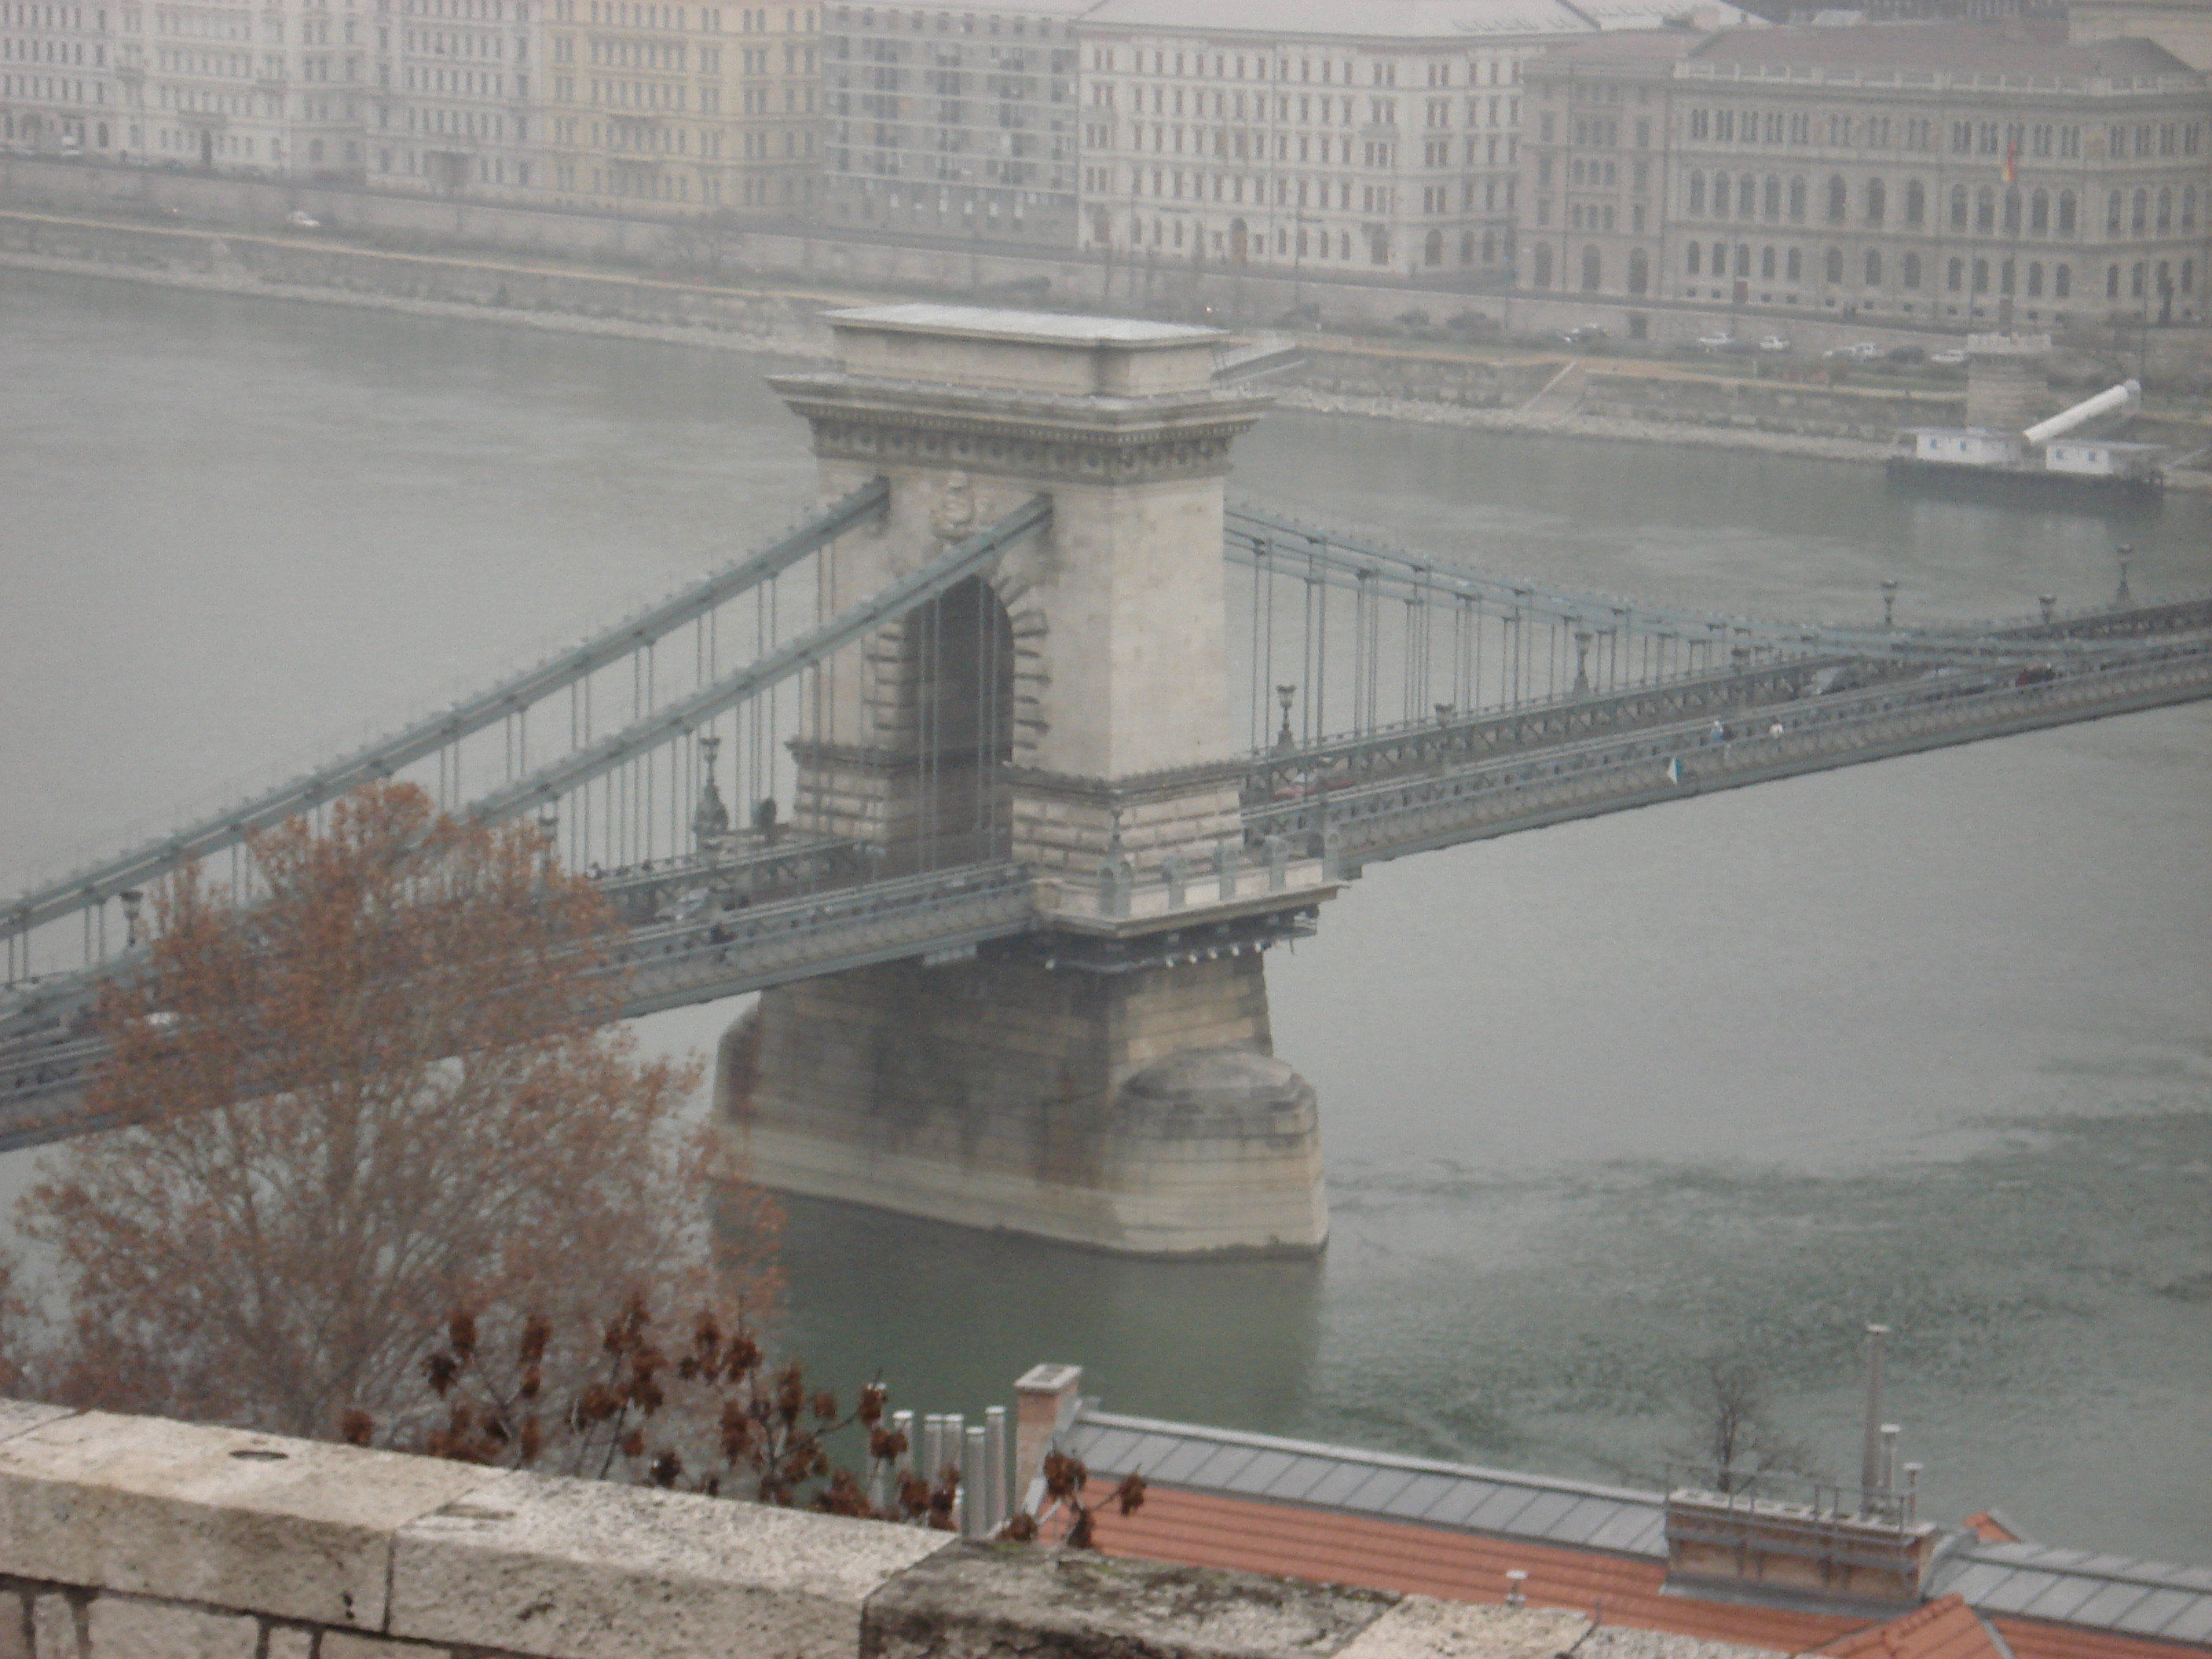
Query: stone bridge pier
{"points": [[1108, 1078]]}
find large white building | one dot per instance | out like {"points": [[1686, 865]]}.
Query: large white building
{"points": [[454, 106], [1380, 138], [57, 87]]}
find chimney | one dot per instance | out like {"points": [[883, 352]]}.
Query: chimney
{"points": [[1870, 1455], [1045, 1400]]}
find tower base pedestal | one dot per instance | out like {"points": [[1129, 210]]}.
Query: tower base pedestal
{"points": [[1141, 1113]]}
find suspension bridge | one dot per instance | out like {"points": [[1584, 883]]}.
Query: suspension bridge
{"points": [[1037, 743]]}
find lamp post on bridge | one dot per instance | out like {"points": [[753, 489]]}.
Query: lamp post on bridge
{"points": [[1889, 605], [1285, 742]]}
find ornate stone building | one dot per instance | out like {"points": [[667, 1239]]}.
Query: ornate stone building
{"points": [[457, 90], [57, 84], [953, 120], [681, 108], [1380, 140], [1951, 173]]}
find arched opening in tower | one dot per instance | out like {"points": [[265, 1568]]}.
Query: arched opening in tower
{"points": [[961, 649]]}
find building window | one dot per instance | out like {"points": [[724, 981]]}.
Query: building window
{"points": [[1796, 266], [1593, 271], [2012, 213], [2136, 284], [2111, 281], [1720, 196], [2141, 220], [1985, 209], [1772, 204], [2189, 208], [2165, 210], [1912, 273], [1798, 200], [1742, 261], [1877, 201], [1697, 193], [2039, 213], [2065, 213], [1873, 269], [1958, 207], [1838, 201], [1981, 276], [1696, 259], [2034, 279], [1766, 264], [1956, 277], [1916, 202], [2005, 277], [2188, 276], [2062, 282]]}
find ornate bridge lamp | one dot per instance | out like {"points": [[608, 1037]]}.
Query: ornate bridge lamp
{"points": [[133, 901], [1889, 605], [1285, 744], [710, 818], [2125, 551]]}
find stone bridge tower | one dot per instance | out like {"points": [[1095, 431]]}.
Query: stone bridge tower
{"points": [[1109, 1078]]}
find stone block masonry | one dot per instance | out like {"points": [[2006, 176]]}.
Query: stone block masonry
{"points": [[97, 1510]]}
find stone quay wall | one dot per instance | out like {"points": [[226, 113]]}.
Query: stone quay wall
{"points": [[139, 1537]]}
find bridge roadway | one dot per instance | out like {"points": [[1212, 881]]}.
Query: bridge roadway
{"points": [[1351, 801]]}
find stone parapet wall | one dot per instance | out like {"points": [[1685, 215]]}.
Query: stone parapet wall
{"points": [[1874, 416], [139, 1537]]}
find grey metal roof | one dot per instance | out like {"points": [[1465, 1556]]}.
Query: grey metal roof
{"points": [[1570, 1512], [2078, 1587], [2029, 1581]]}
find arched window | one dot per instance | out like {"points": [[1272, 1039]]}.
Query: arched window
{"points": [[1720, 196], [1912, 270], [2111, 281], [2012, 213], [1767, 264], [1747, 197], [1981, 276], [1432, 248], [2039, 213], [1697, 193], [2188, 276], [1877, 200], [1958, 207], [2034, 279], [1838, 200], [1797, 200], [2115, 205], [2137, 280], [1873, 269], [1720, 259], [1697, 257], [1956, 277], [1985, 209], [2062, 282], [1773, 203], [1742, 260], [1835, 265], [1639, 272], [2005, 277], [1916, 202], [2141, 220], [1796, 264], [1593, 271], [2166, 209], [2189, 208], [1543, 264]]}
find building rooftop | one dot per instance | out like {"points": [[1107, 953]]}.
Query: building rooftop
{"points": [[1222, 1498], [1970, 48], [1400, 20]]}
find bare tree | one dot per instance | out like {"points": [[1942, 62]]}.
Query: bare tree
{"points": [[1742, 1441], [384, 1084]]}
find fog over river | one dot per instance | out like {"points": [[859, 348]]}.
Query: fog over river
{"points": [[1927, 1040]]}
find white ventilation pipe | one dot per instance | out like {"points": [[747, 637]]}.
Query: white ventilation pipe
{"points": [[2127, 395]]}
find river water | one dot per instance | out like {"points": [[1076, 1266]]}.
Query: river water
{"points": [[1928, 1042]]}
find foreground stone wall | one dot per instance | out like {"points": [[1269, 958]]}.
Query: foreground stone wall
{"points": [[137, 1538]]}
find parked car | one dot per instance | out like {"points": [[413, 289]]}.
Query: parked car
{"points": [[300, 219], [1715, 342], [1863, 351], [1588, 334], [1774, 343], [1954, 358], [1908, 354]]}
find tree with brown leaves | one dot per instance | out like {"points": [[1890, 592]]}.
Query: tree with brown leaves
{"points": [[384, 1083]]}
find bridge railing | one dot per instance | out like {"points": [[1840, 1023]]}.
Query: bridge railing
{"points": [[1386, 816]]}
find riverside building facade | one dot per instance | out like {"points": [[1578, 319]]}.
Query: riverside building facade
{"points": [[1295, 134], [57, 86], [1954, 174], [669, 107], [953, 120], [454, 107]]}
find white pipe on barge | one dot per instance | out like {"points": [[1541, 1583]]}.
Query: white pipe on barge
{"points": [[2127, 395]]}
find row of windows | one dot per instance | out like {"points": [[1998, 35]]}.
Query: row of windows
{"points": [[1312, 71], [2036, 212]]}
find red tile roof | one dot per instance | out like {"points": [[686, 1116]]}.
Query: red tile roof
{"points": [[1297, 1541], [1985, 1526], [1945, 1629]]}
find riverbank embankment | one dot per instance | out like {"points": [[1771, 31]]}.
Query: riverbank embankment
{"points": [[1618, 399]]}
